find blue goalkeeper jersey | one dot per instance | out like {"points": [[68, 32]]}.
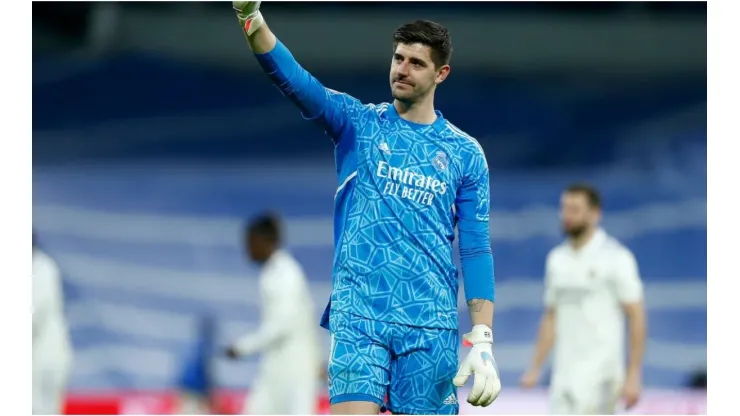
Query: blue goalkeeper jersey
{"points": [[402, 190]]}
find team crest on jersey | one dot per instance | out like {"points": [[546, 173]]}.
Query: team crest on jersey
{"points": [[440, 161]]}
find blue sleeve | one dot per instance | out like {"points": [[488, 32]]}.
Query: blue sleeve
{"points": [[472, 207], [326, 106]]}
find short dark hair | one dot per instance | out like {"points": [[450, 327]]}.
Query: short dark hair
{"points": [[265, 225], [427, 33], [593, 197]]}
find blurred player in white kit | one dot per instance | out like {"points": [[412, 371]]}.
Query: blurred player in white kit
{"points": [[287, 338], [591, 284], [52, 351]]}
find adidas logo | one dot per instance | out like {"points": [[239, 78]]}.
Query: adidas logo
{"points": [[451, 399], [384, 148]]}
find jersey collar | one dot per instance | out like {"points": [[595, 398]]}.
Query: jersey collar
{"points": [[274, 258], [596, 240], [438, 124]]}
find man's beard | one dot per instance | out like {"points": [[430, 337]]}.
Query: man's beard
{"points": [[576, 231], [409, 95]]}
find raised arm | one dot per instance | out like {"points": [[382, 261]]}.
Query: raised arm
{"points": [[328, 107]]}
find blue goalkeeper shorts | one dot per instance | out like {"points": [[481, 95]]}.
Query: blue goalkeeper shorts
{"points": [[405, 369]]}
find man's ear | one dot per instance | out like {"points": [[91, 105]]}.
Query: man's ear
{"points": [[442, 74]]}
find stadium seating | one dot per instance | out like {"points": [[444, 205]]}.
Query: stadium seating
{"points": [[160, 109]]}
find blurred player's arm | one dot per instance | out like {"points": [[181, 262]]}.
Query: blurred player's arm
{"points": [[316, 102], [545, 340], [545, 335], [277, 322], [637, 333], [48, 300], [45, 306], [630, 294]]}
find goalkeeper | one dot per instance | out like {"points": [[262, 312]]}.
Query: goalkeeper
{"points": [[407, 178]]}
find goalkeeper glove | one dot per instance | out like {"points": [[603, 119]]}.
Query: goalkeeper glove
{"points": [[480, 364], [249, 15]]}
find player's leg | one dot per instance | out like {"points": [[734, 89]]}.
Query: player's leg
{"points": [[60, 391], [355, 407], [48, 396], [561, 402], [49, 385], [592, 399], [422, 368], [359, 364], [302, 397], [261, 399], [602, 399]]}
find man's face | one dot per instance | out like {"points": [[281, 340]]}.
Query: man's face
{"points": [[576, 214], [413, 74], [258, 248]]}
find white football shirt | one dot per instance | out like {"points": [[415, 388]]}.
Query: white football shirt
{"points": [[288, 340], [288, 334], [587, 288], [52, 348]]}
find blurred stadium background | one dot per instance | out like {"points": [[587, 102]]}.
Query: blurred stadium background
{"points": [[155, 135]]}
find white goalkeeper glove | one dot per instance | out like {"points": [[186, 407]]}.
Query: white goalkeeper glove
{"points": [[480, 364], [249, 15]]}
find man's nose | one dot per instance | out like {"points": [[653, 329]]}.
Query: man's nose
{"points": [[403, 68]]}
